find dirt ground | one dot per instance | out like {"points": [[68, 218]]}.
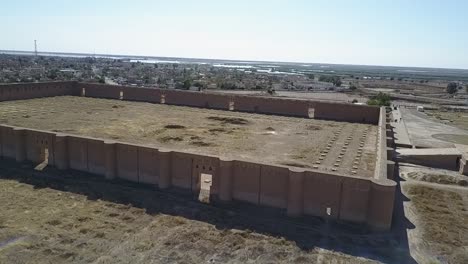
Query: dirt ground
{"points": [[437, 207], [56, 217], [431, 88], [426, 131], [310, 95], [458, 119], [425, 174], [338, 146]]}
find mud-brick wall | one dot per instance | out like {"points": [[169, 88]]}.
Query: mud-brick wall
{"points": [[19, 91], [274, 186], [298, 191], [346, 112], [141, 94], [322, 191], [255, 104], [196, 99], [39, 145], [148, 165], [266, 105], [99, 90], [27, 144], [246, 182], [7, 141], [241, 103]]}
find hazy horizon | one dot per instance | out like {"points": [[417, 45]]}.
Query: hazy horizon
{"points": [[31, 52], [427, 34]]}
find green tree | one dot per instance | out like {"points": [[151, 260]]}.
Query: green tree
{"points": [[331, 79], [382, 99], [451, 88], [337, 82], [52, 74], [187, 84]]}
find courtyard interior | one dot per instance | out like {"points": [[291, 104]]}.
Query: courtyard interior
{"points": [[341, 147]]}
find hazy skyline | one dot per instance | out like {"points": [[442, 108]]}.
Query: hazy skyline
{"points": [[395, 33]]}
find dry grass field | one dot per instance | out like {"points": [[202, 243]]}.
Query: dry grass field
{"points": [[437, 206], [51, 217]]}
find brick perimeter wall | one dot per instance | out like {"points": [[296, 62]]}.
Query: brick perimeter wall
{"points": [[348, 198], [298, 191], [19, 91], [241, 103]]}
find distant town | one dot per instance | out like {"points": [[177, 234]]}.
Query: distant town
{"points": [[421, 84]]}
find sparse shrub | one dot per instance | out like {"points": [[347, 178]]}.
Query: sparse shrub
{"points": [[331, 79], [229, 120], [169, 138], [451, 88], [382, 99], [174, 127], [187, 84]]}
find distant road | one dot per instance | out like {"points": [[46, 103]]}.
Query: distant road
{"points": [[321, 96]]}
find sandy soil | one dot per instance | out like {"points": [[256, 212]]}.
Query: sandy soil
{"points": [[457, 119], [425, 174], [339, 146], [437, 208], [56, 217], [406, 87]]}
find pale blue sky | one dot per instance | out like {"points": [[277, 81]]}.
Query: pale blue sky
{"points": [[426, 33]]}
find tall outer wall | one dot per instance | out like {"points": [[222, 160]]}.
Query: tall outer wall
{"points": [[19, 91], [241, 103], [297, 191]]}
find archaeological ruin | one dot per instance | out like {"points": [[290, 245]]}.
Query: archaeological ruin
{"points": [[315, 158]]}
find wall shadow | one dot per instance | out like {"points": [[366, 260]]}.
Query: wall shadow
{"points": [[306, 232]]}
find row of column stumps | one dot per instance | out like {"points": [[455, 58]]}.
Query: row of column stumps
{"points": [[332, 141], [359, 152], [330, 144], [323, 153]]}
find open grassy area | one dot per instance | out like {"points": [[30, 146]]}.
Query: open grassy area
{"points": [[441, 218], [458, 119], [50, 217]]}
